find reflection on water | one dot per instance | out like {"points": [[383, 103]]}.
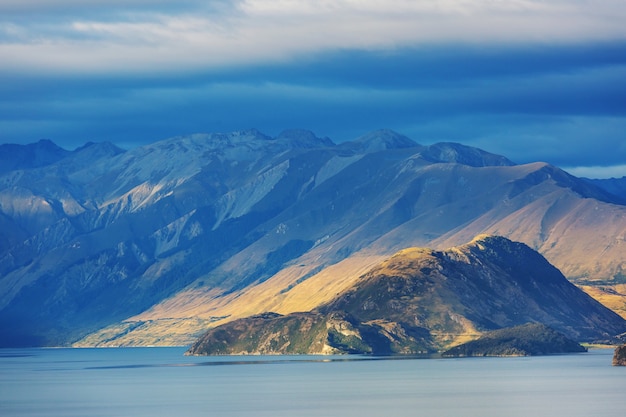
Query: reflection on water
{"points": [[268, 360], [162, 382]]}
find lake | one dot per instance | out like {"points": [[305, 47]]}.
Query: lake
{"points": [[137, 382]]}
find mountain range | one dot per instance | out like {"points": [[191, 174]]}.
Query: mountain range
{"points": [[152, 246]]}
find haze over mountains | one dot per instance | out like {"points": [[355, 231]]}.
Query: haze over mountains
{"points": [[153, 245]]}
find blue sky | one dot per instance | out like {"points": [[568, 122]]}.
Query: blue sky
{"points": [[529, 79]]}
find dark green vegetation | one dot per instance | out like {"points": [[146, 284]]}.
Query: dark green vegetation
{"points": [[276, 334], [421, 301], [526, 340], [310, 333]]}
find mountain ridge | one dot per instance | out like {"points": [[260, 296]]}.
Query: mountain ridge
{"points": [[203, 228]]}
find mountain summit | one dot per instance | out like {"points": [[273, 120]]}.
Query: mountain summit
{"points": [[155, 244], [35, 155], [380, 140]]}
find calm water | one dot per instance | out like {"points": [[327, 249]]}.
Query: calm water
{"points": [[161, 382]]}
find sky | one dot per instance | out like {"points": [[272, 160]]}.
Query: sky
{"points": [[534, 80]]}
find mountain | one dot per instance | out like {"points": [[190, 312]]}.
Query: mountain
{"points": [[530, 339], [421, 300], [488, 283], [153, 245]]}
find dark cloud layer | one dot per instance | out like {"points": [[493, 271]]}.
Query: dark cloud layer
{"points": [[562, 101]]}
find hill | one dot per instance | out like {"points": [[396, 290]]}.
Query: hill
{"points": [[526, 340], [422, 300], [153, 245]]}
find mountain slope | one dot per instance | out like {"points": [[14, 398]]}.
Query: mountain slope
{"points": [[161, 241], [424, 300]]}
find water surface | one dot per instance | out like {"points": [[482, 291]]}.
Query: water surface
{"points": [[138, 382]]}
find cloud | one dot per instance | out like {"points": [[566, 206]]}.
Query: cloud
{"points": [[530, 79], [141, 38], [563, 105], [616, 171], [561, 140], [75, 7]]}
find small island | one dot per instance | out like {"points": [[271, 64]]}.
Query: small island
{"points": [[619, 357], [530, 339]]}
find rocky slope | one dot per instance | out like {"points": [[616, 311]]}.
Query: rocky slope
{"points": [[422, 300], [152, 245]]}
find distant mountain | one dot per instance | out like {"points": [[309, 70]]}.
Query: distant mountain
{"points": [[530, 339], [422, 300], [155, 244], [465, 155], [379, 140], [614, 186], [35, 155]]}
